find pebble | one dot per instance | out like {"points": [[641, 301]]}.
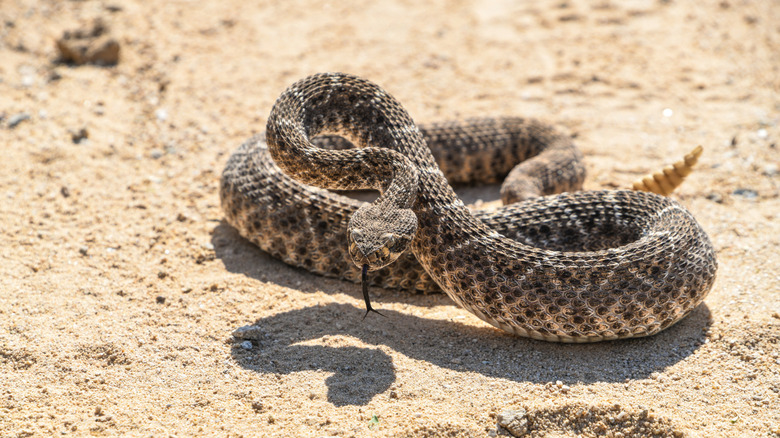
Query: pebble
{"points": [[715, 197], [771, 170], [79, 135], [667, 112], [514, 421], [248, 332], [246, 345], [16, 119], [161, 114], [156, 154], [91, 43], [746, 193], [160, 300], [83, 250], [762, 133]]}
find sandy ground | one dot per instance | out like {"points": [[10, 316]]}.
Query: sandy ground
{"points": [[121, 284]]}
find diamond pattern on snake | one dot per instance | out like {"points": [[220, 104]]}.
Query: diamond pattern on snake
{"points": [[555, 263]]}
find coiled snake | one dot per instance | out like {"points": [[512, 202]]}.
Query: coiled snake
{"points": [[572, 267]]}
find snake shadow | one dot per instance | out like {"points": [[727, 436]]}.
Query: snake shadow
{"points": [[313, 338], [316, 338]]}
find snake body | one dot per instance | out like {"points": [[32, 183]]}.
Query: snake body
{"points": [[572, 267]]}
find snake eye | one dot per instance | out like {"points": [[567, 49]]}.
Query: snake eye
{"points": [[389, 239], [356, 234]]}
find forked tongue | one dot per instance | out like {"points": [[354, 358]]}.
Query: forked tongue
{"points": [[364, 281]]}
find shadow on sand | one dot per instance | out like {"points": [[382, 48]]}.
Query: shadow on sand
{"points": [[312, 338]]}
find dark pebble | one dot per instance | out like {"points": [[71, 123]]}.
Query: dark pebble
{"points": [[715, 197], [79, 136], [16, 119], [746, 193]]}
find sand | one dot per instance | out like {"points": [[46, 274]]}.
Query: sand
{"points": [[121, 284]]}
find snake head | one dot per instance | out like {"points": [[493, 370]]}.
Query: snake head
{"points": [[377, 236]]}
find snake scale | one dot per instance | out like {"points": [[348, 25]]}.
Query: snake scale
{"points": [[570, 267]]}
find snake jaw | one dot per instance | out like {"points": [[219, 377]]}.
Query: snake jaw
{"points": [[375, 254], [378, 237]]}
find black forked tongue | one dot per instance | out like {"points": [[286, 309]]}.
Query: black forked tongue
{"points": [[364, 280]]}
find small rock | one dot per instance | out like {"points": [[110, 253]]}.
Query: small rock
{"points": [[514, 421], [246, 345], [83, 250], [257, 406], [762, 133], [746, 193], [771, 170], [160, 300], [715, 197], [161, 114], [65, 191], [91, 44], [79, 135], [156, 154], [16, 119], [248, 332]]}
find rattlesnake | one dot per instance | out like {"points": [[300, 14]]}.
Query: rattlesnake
{"points": [[573, 267]]}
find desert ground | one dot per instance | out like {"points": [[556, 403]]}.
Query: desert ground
{"points": [[121, 284]]}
